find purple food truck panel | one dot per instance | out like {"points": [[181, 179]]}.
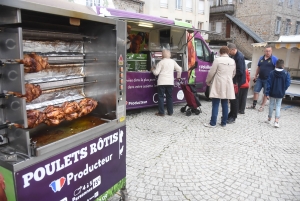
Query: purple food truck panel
{"points": [[86, 172], [142, 91]]}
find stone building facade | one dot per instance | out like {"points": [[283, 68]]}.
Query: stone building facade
{"points": [[128, 5], [255, 21], [270, 18]]}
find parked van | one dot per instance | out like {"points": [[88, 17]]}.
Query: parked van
{"points": [[147, 36]]}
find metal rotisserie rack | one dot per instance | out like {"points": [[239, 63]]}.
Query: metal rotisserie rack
{"points": [[61, 82]]}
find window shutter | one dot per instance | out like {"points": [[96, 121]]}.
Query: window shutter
{"points": [[218, 27]]}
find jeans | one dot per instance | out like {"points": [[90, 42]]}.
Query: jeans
{"points": [[215, 110], [161, 90], [234, 106], [271, 107], [243, 99], [259, 84]]}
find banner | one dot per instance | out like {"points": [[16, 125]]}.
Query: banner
{"points": [[141, 90], [94, 170]]}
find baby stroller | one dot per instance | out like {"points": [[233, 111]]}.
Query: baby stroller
{"points": [[190, 94]]}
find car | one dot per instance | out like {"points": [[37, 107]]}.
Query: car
{"points": [[248, 65]]}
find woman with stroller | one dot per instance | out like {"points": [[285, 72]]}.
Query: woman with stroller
{"points": [[219, 79]]}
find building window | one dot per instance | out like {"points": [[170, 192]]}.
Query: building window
{"points": [[211, 2], [287, 27], [209, 26], [241, 1], [188, 21], [178, 19], [218, 27], [229, 1], [189, 7], [164, 17], [219, 2], [277, 25], [92, 2], [290, 3], [201, 7], [297, 28], [280, 2], [164, 3], [179, 4], [200, 25]]}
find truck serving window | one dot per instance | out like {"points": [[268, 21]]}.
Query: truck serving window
{"points": [[202, 50]]}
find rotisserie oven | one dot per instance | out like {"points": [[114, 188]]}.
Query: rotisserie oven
{"points": [[59, 79]]}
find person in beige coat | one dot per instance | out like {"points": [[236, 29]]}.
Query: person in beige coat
{"points": [[165, 71], [219, 79]]}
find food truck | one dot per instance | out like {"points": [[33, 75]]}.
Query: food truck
{"points": [[63, 105], [146, 37], [288, 49]]}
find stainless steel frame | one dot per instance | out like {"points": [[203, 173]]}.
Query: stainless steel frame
{"points": [[103, 44]]}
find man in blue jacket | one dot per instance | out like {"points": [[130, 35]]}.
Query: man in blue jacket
{"points": [[278, 82], [239, 79]]}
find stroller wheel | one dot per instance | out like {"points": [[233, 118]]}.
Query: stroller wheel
{"points": [[188, 113], [197, 112], [182, 109]]}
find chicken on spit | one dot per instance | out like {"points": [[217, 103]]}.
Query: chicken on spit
{"points": [[35, 117], [32, 92], [54, 115], [87, 105], [34, 63], [71, 110]]}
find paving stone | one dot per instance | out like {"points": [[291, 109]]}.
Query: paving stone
{"points": [[177, 158]]}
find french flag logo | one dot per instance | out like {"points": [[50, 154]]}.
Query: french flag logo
{"points": [[57, 184]]}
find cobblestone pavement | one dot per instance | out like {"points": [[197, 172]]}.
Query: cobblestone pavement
{"points": [[177, 158]]}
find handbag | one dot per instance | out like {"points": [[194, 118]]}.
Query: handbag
{"points": [[236, 88]]}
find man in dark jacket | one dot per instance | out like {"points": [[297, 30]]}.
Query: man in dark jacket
{"points": [[239, 79], [278, 82]]}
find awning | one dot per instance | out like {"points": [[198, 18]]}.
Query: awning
{"points": [[287, 42], [139, 17]]}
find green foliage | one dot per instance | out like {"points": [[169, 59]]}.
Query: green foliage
{"points": [[110, 192]]}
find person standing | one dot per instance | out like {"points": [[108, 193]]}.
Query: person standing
{"points": [[165, 71], [239, 79], [278, 82], [266, 64], [243, 94], [219, 79]]}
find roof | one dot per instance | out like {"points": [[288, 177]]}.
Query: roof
{"points": [[245, 28], [288, 42]]}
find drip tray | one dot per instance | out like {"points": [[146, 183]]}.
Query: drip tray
{"points": [[45, 135]]}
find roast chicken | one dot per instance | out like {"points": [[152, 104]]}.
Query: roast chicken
{"points": [[32, 92], [71, 110], [54, 115], [34, 63], [87, 105], [35, 117]]}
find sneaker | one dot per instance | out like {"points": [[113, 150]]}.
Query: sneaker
{"points": [[223, 125], [208, 125], [230, 120], [276, 124]]}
